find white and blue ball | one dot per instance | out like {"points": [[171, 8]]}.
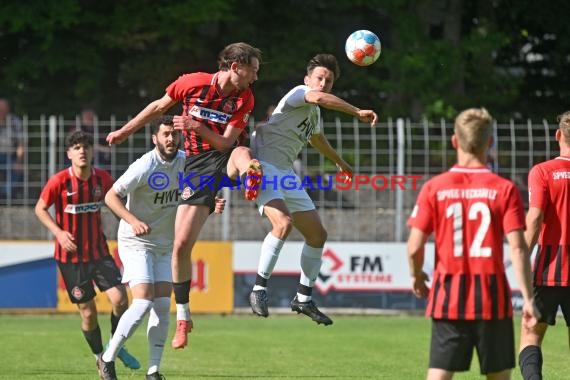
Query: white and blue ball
{"points": [[363, 47]]}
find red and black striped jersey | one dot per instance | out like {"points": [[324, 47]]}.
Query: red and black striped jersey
{"points": [[549, 190], [469, 210], [77, 206], [201, 99]]}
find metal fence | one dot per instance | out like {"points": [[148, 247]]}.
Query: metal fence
{"points": [[371, 213]]}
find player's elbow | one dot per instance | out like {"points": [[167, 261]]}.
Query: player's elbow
{"points": [[314, 97]]}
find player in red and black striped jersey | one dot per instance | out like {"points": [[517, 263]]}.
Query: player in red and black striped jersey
{"points": [[81, 250], [216, 109], [548, 226], [469, 209]]}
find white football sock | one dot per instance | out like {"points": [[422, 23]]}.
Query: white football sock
{"points": [[183, 312], [310, 267], [128, 323], [157, 331], [270, 250]]}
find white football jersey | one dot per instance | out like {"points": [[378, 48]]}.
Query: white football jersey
{"points": [[292, 124], [151, 187]]}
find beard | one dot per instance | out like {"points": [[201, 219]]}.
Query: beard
{"points": [[162, 149]]}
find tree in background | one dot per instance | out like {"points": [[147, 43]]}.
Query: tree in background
{"points": [[438, 55]]}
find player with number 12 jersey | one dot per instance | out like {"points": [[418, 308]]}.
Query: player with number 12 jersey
{"points": [[469, 210]]}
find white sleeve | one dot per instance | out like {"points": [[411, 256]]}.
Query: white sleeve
{"points": [[296, 97], [131, 178]]}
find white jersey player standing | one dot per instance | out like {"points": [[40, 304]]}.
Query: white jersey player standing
{"points": [[145, 239], [295, 122]]}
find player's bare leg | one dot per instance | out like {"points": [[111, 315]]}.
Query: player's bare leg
{"points": [[530, 352], [310, 225], [187, 227], [243, 164], [439, 374], [503, 375]]}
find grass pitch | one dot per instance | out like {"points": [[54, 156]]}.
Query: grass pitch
{"points": [[249, 347]]}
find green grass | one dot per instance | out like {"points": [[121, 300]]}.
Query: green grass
{"points": [[248, 347]]}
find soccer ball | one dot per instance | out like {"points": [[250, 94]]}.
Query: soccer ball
{"points": [[363, 47]]}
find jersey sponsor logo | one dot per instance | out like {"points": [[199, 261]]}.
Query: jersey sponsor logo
{"points": [[165, 197], [306, 128], [83, 208], [70, 193], [209, 114]]}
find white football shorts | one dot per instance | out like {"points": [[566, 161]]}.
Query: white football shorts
{"points": [[144, 266], [283, 184]]}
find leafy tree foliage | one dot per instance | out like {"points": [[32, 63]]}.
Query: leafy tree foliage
{"points": [[438, 55]]}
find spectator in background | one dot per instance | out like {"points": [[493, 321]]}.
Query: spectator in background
{"points": [[88, 122], [11, 151]]}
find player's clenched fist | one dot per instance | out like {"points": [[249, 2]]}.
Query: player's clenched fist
{"points": [[185, 123]]}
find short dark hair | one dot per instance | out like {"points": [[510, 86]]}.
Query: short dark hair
{"points": [[327, 61], [239, 52], [164, 119], [78, 137]]}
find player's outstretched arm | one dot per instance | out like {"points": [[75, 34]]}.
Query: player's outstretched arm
{"points": [[149, 113], [332, 102]]}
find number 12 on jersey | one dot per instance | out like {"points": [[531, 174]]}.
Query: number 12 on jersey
{"points": [[476, 210]]}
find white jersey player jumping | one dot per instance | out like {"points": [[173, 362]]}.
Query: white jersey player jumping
{"points": [[295, 122], [145, 239]]}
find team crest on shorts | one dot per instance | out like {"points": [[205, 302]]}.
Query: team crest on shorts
{"points": [[186, 193], [77, 293]]}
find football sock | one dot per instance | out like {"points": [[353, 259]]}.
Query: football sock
{"points": [[310, 264], [128, 324], [270, 249], [157, 332], [183, 312], [260, 283], [304, 293], [181, 292], [94, 340], [182, 297], [530, 362], [114, 322]]}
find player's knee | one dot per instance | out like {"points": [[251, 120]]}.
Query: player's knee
{"points": [[317, 238], [182, 247], [282, 226], [89, 317]]}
